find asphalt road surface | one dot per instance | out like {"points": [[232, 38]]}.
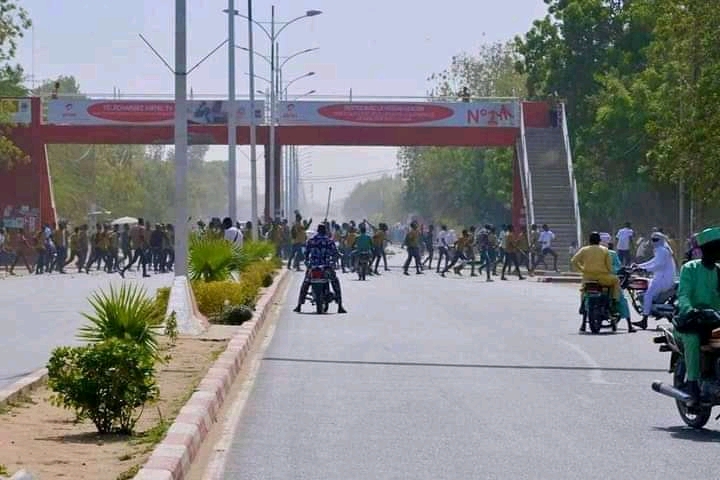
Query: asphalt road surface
{"points": [[41, 312], [432, 378]]}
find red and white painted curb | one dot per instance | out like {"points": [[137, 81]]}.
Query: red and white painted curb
{"points": [[172, 458]]}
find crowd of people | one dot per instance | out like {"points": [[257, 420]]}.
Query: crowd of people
{"points": [[106, 247], [497, 251]]}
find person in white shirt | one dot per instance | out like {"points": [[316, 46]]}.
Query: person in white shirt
{"points": [[545, 239], [662, 266], [624, 238], [442, 246], [232, 233]]}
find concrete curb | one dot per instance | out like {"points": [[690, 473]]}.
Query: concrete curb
{"points": [[560, 280], [23, 386], [172, 458]]}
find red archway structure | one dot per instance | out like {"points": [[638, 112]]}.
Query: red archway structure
{"points": [[26, 190]]}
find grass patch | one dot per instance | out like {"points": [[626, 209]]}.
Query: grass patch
{"points": [[21, 401], [129, 474]]}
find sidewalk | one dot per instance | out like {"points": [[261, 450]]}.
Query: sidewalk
{"points": [[41, 312]]}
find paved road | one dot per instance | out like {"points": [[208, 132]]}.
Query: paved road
{"points": [[40, 312], [431, 378]]}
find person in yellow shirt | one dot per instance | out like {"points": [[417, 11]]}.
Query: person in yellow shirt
{"points": [[595, 264]]}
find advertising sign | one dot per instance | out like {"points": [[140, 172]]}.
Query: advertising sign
{"points": [[147, 112], [15, 110], [491, 113]]}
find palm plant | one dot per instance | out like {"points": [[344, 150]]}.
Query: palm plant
{"points": [[212, 259], [254, 251], [125, 314]]}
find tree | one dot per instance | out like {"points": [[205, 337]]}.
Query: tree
{"points": [[14, 21], [593, 53], [457, 185], [378, 200]]}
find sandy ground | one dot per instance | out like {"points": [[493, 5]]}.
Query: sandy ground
{"points": [[46, 441]]}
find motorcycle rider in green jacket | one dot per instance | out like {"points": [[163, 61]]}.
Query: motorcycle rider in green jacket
{"points": [[698, 290]]}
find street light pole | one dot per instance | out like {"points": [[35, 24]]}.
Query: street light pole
{"points": [[232, 116], [271, 173], [181, 140], [253, 133]]}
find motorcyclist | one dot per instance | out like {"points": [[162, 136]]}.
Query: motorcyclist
{"points": [[321, 251], [595, 264], [699, 289], [662, 265], [363, 244]]}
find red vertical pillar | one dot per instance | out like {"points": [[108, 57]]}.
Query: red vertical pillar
{"points": [[518, 207], [48, 212]]}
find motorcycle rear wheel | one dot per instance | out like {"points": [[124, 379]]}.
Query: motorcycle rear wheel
{"points": [[594, 321], [635, 300], [699, 415]]}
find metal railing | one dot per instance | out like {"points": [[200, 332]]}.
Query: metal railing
{"points": [[573, 183], [526, 169], [315, 97]]}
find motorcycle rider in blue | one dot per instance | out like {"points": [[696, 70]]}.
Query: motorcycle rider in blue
{"points": [[321, 251]]}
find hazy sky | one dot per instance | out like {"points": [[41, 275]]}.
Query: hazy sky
{"points": [[374, 47]]}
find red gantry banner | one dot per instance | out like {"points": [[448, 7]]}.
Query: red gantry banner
{"points": [[491, 113], [143, 112]]}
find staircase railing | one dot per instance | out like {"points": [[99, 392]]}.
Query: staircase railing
{"points": [[528, 190], [573, 183]]}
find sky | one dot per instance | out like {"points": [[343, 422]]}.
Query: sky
{"points": [[377, 48]]}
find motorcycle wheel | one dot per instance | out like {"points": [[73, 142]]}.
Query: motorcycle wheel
{"points": [[320, 307], [595, 320], [635, 300], [699, 416]]}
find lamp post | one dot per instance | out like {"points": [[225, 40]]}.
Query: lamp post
{"points": [[181, 140], [273, 35], [232, 119], [292, 167], [286, 167], [282, 93]]}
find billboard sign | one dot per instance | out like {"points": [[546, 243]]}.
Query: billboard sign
{"points": [[15, 110], [490, 113], [147, 112]]}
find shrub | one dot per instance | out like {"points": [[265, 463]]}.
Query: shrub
{"points": [[212, 259], [254, 252], [236, 314], [211, 296], [124, 314], [105, 382]]}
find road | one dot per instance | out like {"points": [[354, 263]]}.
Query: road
{"points": [[432, 378], [41, 312]]}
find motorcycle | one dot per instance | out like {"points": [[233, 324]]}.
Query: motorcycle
{"points": [[363, 264], [320, 294], [596, 308], [695, 416], [637, 286]]}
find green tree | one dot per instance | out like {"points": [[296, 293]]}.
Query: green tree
{"points": [[594, 54], [682, 78], [14, 21], [378, 200], [456, 185]]}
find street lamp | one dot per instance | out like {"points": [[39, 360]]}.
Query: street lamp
{"points": [[273, 35], [282, 91], [291, 162]]}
